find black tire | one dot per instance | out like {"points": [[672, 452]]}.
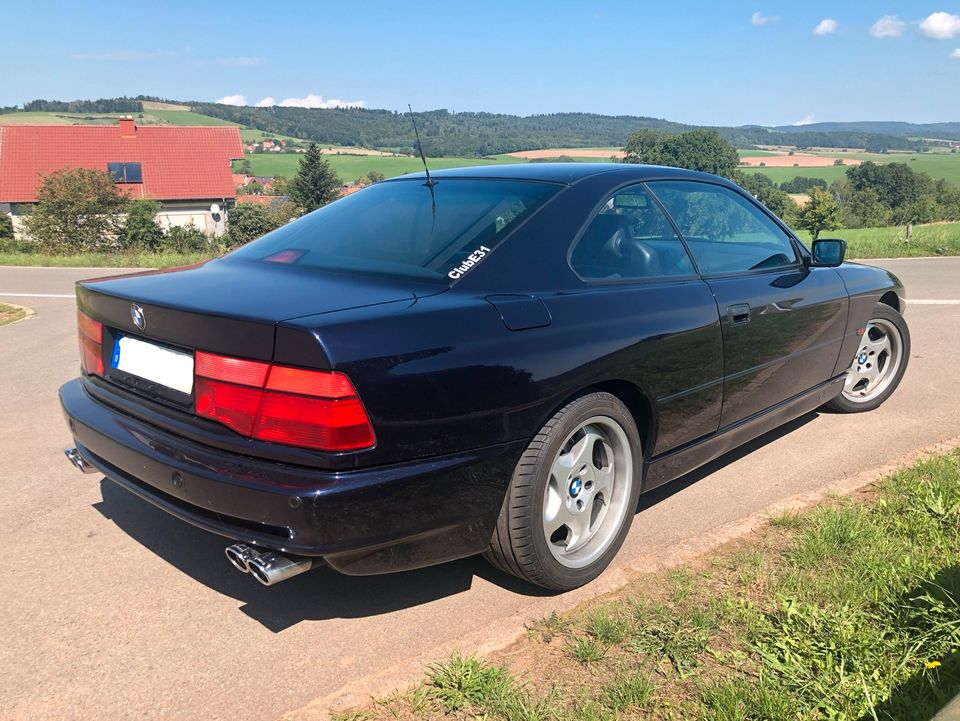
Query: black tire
{"points": [[519, 546], [843, 403]]}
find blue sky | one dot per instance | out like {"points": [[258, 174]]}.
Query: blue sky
{"points": [[717, 62]]}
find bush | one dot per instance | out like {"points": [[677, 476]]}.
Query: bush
{"points": [[141, 231], [78, 210], [247, 221], [6, 226], [188, 239]]}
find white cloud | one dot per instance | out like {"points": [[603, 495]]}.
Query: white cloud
{"points": [[308, 101], [312, 101], [955, 55], [238, 62], [758, 18], [941, 26], [827, 26], [889, 26], [805, 120], [232, 100]]}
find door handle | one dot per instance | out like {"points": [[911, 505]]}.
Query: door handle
{"points": [[739, 314]]}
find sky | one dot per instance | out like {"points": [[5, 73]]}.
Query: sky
{"points": [[711, 63]]}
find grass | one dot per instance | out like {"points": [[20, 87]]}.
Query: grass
{"points": [[11, 313], [103, 260], [850, 610], [932, 239]]}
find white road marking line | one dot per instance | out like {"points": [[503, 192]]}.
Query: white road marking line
{"points": [[932, 302]]}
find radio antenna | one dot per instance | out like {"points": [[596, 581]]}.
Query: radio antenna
{"points": [[430, 181]]}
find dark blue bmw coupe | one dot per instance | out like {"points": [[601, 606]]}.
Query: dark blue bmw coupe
{"points": [[493, 360]]}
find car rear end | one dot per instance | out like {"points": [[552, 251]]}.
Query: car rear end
{"points": [[201, 396]]}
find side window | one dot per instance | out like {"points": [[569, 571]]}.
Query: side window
{"points": [[629, 238], [725, 232]]}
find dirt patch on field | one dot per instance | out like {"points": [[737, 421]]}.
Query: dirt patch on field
{"points": [[572, 152], [801, 161]]}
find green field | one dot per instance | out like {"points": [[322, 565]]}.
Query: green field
{"points": [[932, 239], [936, 165], [351, 167]]}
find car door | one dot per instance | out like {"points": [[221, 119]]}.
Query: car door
{"points": [[645, 301], [783, 321]]}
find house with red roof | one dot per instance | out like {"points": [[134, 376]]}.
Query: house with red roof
{"points": [[187, 169]]}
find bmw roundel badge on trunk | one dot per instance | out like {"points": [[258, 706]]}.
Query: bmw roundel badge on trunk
{"points": [[136, 315]]}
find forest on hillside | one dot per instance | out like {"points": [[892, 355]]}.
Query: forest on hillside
{"points": [[476, 134], [446, 133]]}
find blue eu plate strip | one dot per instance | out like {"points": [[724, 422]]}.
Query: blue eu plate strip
{"points": [[115, 360]]}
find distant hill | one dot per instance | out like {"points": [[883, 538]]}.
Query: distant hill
{"points": [[446, 133], [478, 134], [950, 131]]}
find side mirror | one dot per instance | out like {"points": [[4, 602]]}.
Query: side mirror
{"points": [[829, 253]]}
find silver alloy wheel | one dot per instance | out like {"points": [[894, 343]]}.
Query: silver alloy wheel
{"points": [[876, 363], [586, 498]]}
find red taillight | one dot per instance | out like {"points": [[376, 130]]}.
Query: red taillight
{"points": [[293, 406], [90, 332]]}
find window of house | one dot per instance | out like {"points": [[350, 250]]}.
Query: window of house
{"points": [[125, 172]]}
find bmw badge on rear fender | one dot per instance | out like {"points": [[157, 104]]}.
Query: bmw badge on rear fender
{"points": [[493, 360]]}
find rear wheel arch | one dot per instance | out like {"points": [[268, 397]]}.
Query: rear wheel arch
{"points": [[639, 405]]}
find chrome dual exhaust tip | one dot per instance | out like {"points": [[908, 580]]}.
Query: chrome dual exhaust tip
{"points": [[268, 567], [79, 462]]}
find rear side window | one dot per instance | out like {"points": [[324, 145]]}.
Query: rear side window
{"points": [[725, 232], [629, 239], [404, 228]]}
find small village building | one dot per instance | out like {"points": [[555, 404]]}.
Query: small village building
{"points": [[187, 169]]}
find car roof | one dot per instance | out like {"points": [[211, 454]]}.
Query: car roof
{"points": [[560, 172]]}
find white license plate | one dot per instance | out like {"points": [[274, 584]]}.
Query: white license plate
{"points": [[170, 368]]}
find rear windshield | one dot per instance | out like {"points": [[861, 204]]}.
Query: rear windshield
{"points": [[405, 228]]}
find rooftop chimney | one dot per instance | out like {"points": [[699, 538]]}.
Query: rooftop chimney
{"points": [[128, 128]]}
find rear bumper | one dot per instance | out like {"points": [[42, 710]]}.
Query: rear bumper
{"points": [[375, 520]]}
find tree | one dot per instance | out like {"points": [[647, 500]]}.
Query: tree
{"points": [[703, 150], [646, 146], [141, 229], [375, 176], [866, 210], [245, 167], [315, 183], [280, 185], [764, 190], [821, 213], [896, 183], [78, 209]]}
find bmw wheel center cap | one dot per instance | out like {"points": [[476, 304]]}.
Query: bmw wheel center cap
{"points": [[576, 485]]}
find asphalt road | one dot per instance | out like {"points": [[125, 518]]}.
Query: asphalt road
{"points": [[112, 610]]}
